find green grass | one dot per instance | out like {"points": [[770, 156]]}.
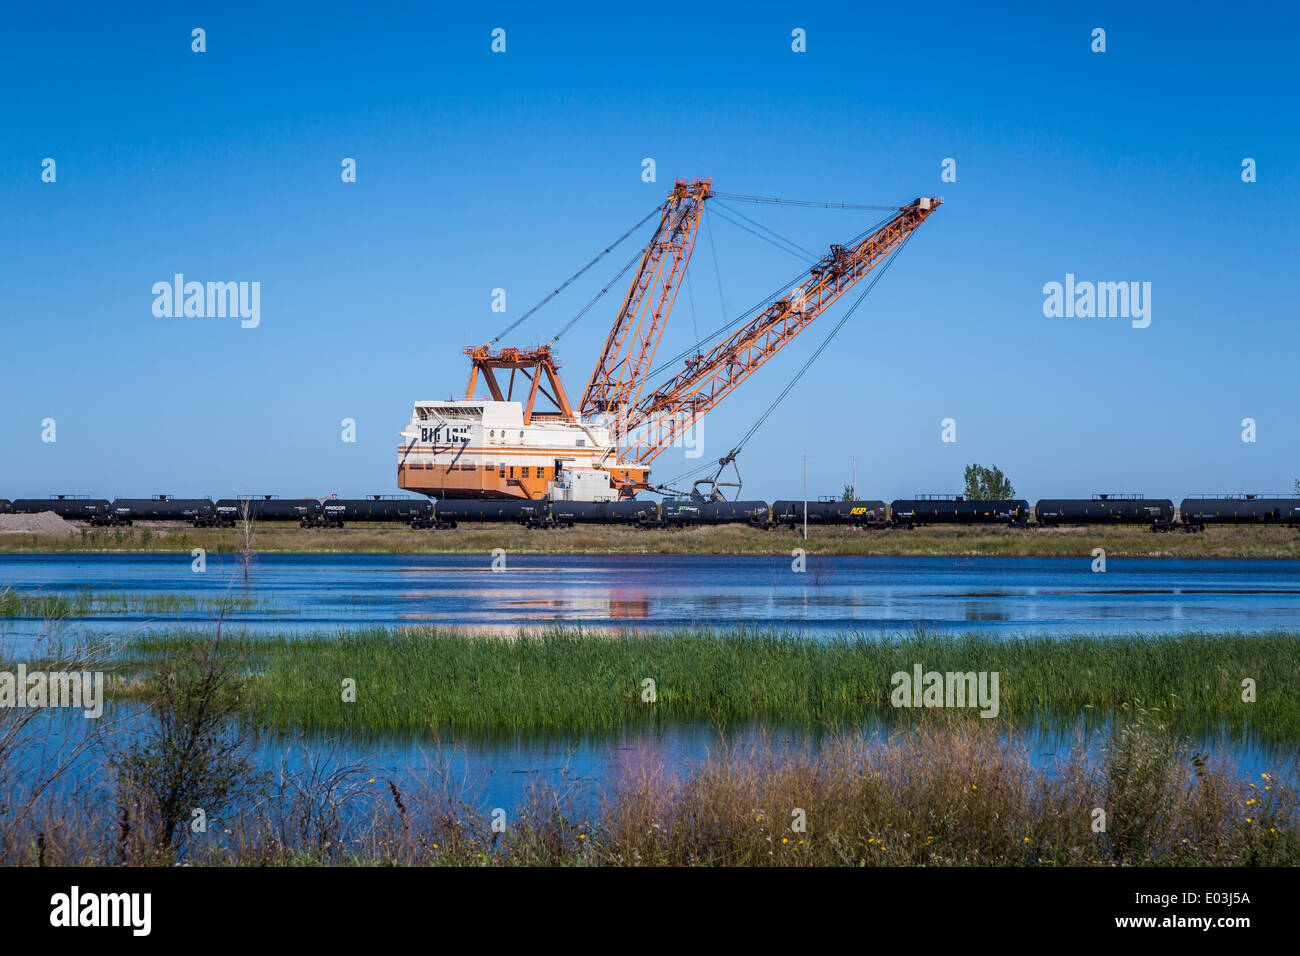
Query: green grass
{"points": [[1227, 542], [14, 604], [568, 681]]}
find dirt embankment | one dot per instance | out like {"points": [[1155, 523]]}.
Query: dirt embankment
{"points": [[44, 522]]}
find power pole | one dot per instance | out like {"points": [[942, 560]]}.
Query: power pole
{"points": [[855, 477], [805, 497]]}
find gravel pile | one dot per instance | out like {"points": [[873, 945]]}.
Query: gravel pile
{"points": [[45, 522]]}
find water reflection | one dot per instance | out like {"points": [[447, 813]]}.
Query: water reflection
{"points": [[502, 767], [301, 593]]}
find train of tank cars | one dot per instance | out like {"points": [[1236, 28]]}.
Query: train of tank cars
{"points": [[1193, 514]]}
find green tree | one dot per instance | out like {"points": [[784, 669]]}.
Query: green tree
{"points": [[983, 484], [851, 494]]}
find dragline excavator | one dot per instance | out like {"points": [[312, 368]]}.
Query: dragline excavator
{"points": [[523, 439]]}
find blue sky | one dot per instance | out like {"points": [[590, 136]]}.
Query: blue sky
{"points": [[478, 170]]}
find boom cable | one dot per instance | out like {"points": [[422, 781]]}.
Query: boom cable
{"points": [[800, 202], [598, 296], [563, 285], [807, 365], [802, 253], [716, 271], [717, 195], [827, 341], [669, 365]]}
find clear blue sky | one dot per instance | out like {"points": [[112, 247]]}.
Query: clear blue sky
{"points": [[479, 170]]}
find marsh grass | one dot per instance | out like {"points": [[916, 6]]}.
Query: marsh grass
{"points": [[1227, 542], [34, 765], [933, 788], [85, 603], [943, 792], [424, 680]]}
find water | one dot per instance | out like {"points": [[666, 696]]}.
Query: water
{"points": [[504, 770], [1000, 596]]}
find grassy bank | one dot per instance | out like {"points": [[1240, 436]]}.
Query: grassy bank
{"points": [[1243, 542], [428, 679]]}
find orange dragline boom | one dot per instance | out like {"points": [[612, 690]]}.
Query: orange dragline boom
{"points": [[616, 382], [653, 424]]}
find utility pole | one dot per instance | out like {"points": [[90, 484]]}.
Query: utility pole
{"points": [[805, 497], [855, 476]]}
